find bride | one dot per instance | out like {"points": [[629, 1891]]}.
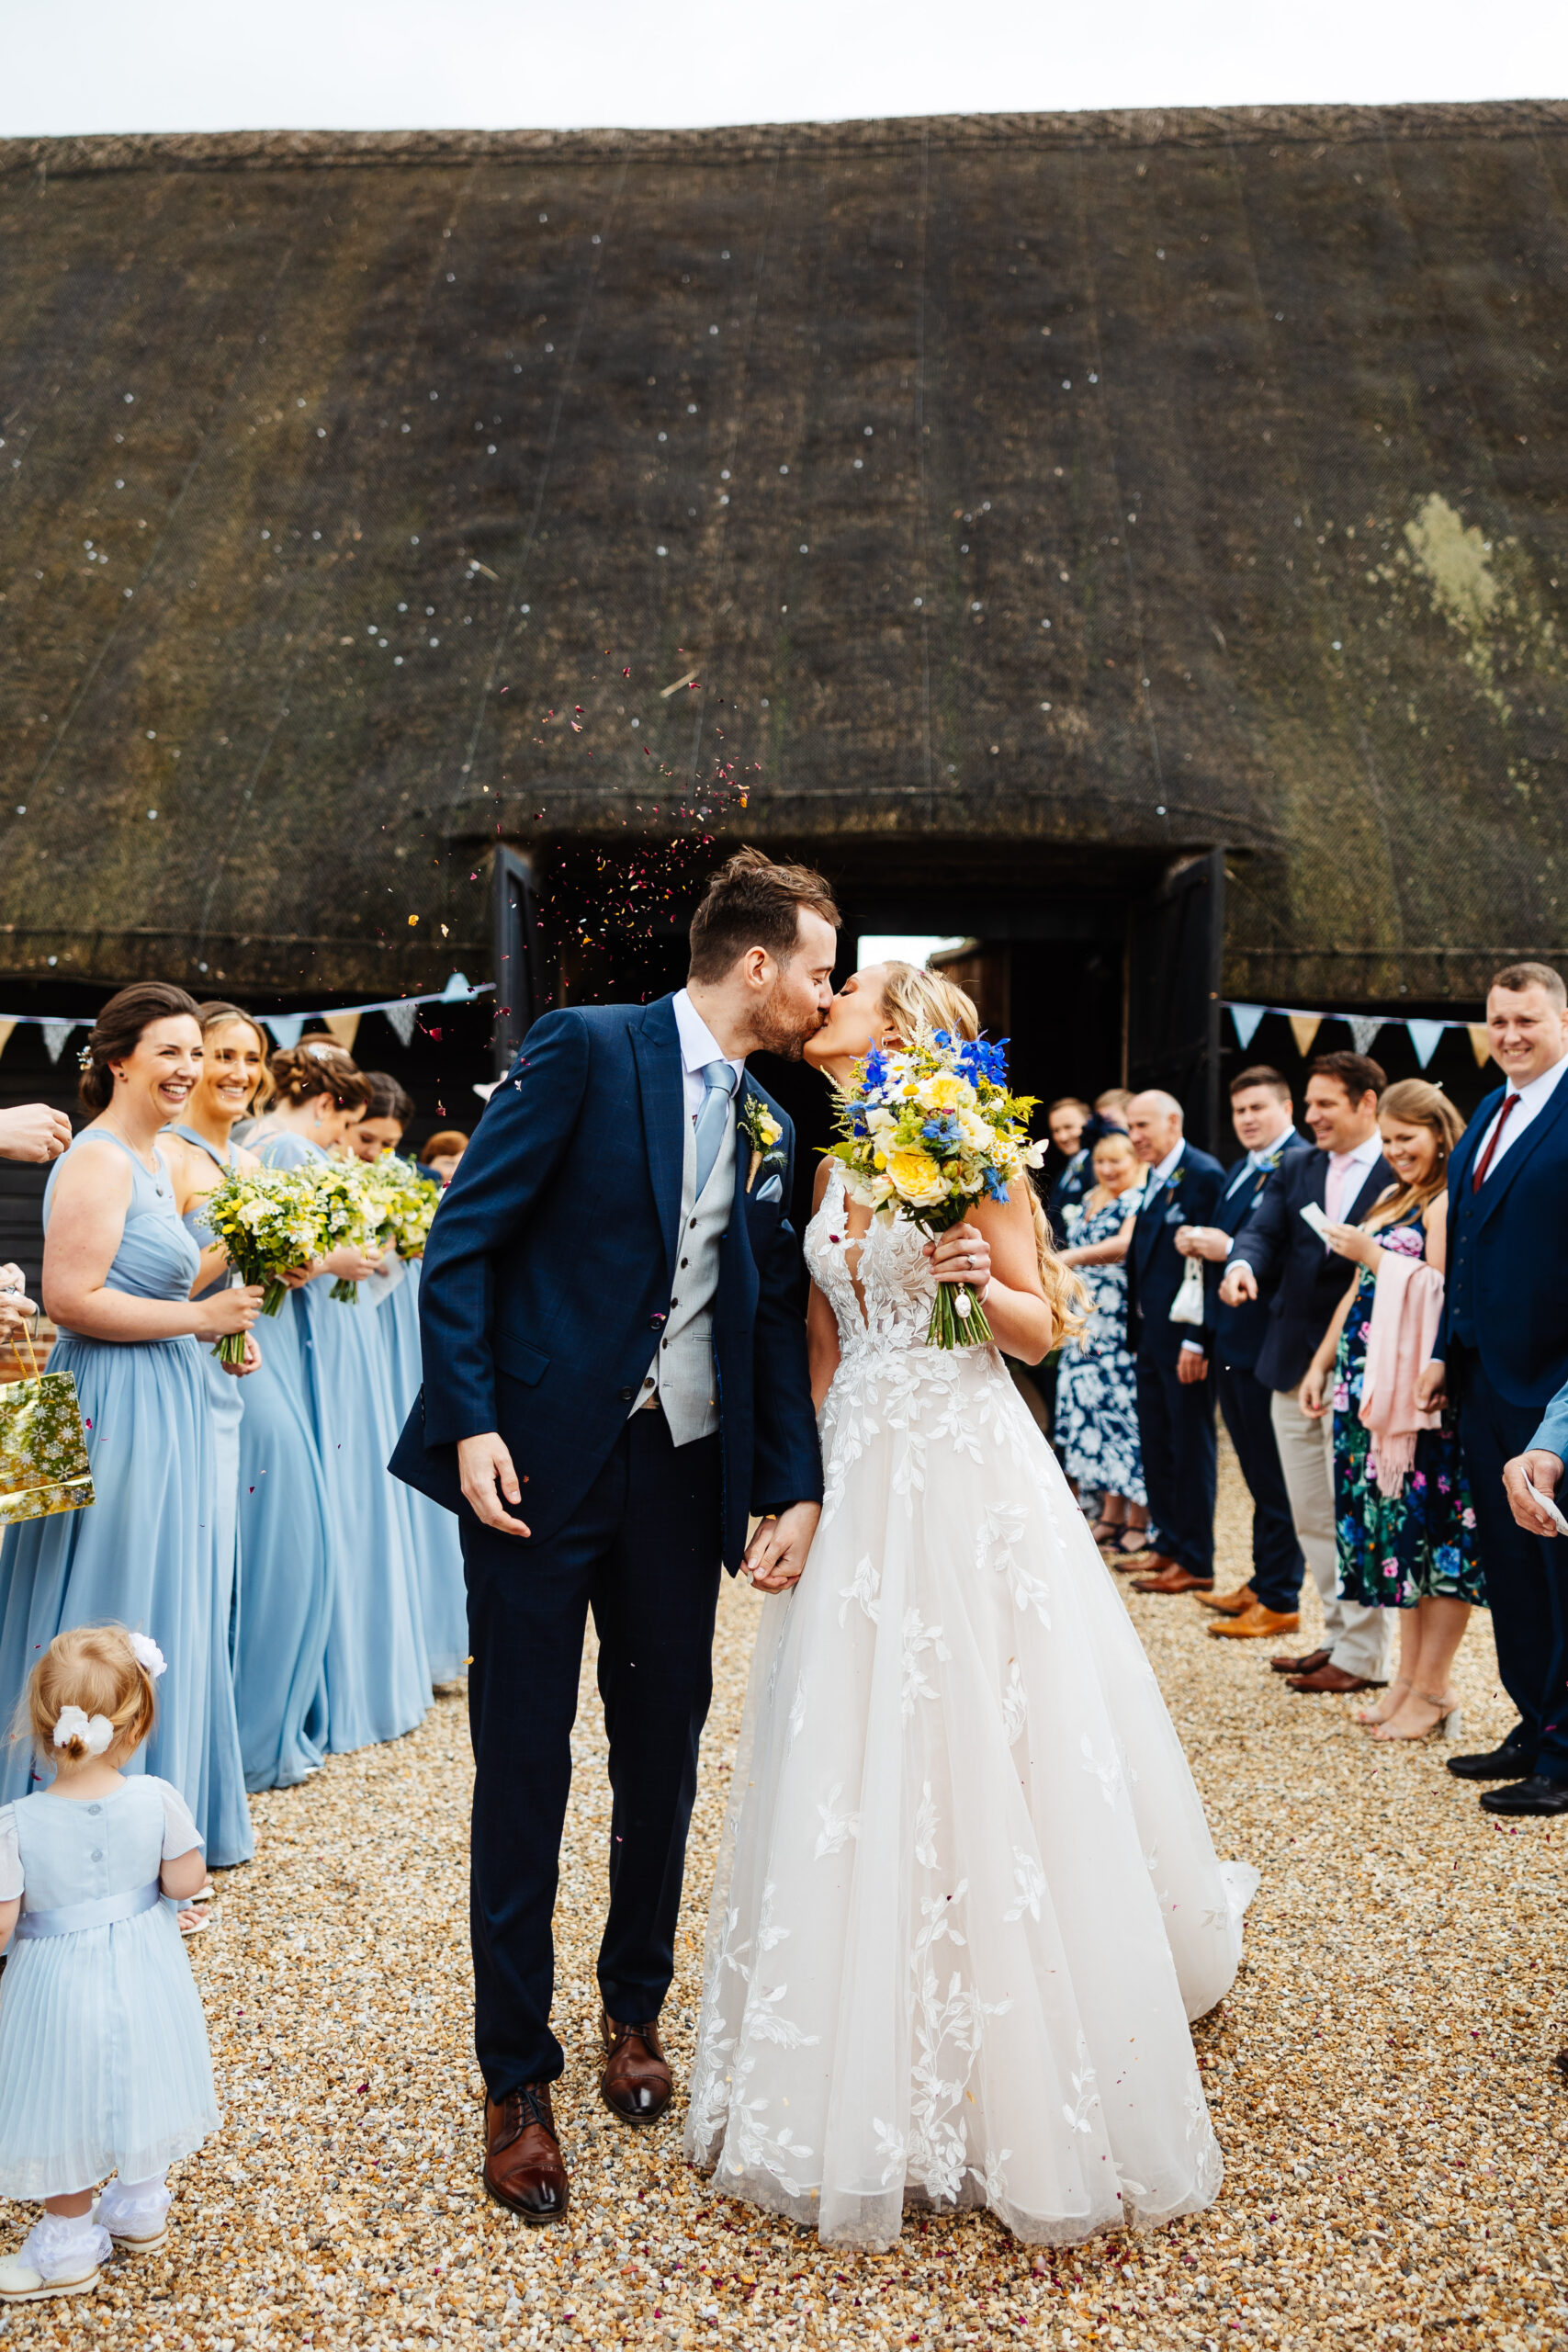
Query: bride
{"points": [[966, 1901]]}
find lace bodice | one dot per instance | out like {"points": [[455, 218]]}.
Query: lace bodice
{"points": [[894, 1275]]}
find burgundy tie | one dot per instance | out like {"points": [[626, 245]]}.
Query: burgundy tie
{"points": [[1484, 1162]]}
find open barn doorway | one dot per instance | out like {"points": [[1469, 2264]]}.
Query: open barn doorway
{"points": [[1102, 967]]}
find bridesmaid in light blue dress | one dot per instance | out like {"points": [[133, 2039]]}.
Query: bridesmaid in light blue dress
{"points": [[438, 1551], [377, 1674], [283, 1607], [118, 1271]]}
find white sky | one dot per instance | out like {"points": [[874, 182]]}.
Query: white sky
{"points": [[97, 65]]}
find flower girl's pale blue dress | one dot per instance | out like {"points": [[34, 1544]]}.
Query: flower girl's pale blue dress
{"points": [[438, 1550], [146, 1551], [104, 2062], [377, 1676]]}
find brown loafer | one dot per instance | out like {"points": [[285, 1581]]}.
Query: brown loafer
{"points": [[1307, 1663], [1229, 1604], [635, 2084], [1334, 1677], [1254, 1624], [523, 2166], [1176, 1579]]}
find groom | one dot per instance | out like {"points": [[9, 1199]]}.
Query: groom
{"points": [[615, 1379]]}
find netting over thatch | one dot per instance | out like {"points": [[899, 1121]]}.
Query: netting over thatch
{"points": [[1006, 486]]}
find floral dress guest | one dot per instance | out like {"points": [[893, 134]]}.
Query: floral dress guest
{"points": [[1406, 1543], [1096, 1397]]}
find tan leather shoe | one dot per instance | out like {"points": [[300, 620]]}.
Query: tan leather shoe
{"points": [[635, 2084], [1334, 1677], [1307, 1663], [1229, 1604], [523, 2166], [1176, 1579], [1252, 1625]]}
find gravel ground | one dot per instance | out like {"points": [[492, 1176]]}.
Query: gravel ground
{"points": [[1396, 2143]]}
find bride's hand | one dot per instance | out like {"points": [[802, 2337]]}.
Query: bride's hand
{"points": [[962, 1255], [776, 1554]]}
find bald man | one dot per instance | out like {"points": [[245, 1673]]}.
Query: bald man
{"points": [[1176, 1396]]}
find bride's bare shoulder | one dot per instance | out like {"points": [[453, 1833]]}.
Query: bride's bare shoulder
{"points": [[825, 1168]]}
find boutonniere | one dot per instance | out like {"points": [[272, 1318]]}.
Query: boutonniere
{"points": [[762, 1131]]}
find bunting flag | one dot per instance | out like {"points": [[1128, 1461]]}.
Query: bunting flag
{"points": [[1425, 1035], [1246, 1018], [1364, 1027], [6, 1029], [402, 1018], [1304, 1027], [344, 1027], [340, 1019], [55, 1032], [1480, 1042]]}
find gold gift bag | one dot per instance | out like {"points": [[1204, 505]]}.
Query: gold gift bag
{"points": [[44, 1446]]}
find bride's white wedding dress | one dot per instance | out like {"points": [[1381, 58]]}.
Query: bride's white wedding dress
{"points": [[966, 1901]]}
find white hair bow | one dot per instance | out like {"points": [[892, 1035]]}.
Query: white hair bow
{"points": [[94, 1731], [148, 1655]]}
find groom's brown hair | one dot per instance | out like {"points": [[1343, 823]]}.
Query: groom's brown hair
{"points": [[751, 902]]}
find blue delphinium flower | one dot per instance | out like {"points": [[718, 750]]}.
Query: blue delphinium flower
{"points": [[941, 1132], [995, 1187]]}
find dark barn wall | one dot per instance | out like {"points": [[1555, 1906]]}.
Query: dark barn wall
{"points": [[347, 480]]}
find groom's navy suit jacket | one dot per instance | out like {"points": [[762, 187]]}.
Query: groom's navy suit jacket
{"points": [[547, 1280]]}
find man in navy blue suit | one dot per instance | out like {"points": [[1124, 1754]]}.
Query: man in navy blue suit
{"points": [[1501, 1349], [614, 1378], [1267, 1605], [1176, 1396]]}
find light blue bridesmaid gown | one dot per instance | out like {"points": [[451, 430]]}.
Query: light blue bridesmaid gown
{"points": [[438, 1550], [226, 1401], [378, 1675], [285, 1556], [146, 1551]]}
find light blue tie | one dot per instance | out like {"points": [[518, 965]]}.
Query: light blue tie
{"points": [[713, 1118]]}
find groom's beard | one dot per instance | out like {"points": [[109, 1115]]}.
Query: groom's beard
{"points": [[783, 1031]]}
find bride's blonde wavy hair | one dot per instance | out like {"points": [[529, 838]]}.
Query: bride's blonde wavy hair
{"points": [[914, 1002]]}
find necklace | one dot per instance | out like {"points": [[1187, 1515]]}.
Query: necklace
{"points": [[156, 1169]]}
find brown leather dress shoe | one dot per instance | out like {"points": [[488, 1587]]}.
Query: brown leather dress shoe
{"points": [[1176, 1579], [523, 2168], [1307, 1663], [1255, 1623], [636, 2083], [1229, 1604], [1334, 1677]]}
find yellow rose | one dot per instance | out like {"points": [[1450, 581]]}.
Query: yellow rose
{"points": [[946, 1091], [917, 1179]]}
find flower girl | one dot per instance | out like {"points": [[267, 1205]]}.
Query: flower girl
{"points": [[104, 2062]]}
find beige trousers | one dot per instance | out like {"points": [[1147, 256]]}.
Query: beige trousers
{"points": [[1358, 1638]]}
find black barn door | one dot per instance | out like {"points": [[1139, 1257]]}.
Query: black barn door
{"points": [[1176, 939], [517, 956]]}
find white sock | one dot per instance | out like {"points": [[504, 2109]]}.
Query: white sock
{"points": [[62, 2246], [134, 2208]]}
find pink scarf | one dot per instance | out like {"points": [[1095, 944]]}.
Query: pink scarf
{"points": [[1406, 1305]]}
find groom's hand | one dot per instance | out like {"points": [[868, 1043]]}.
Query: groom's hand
{"points": [[484, 1465], [776, 1554]]}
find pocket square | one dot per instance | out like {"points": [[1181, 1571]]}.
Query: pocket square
{"points": [[770, 1189]]}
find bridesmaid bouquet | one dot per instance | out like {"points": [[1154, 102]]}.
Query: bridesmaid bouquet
{"points": [[406, 1204], [267, 1221], [925, 1131], [347, 1214]]}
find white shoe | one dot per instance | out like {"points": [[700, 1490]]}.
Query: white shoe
{"points": [[58, 2257], [137, 2224]]}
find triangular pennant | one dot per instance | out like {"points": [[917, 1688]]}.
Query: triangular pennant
{"points": [[6, 1029], [456, 990], [1426, 1036], [344, 1027], [1364, 1027], [1304, 1027], [403, 1018], [1246, 1018], [1480, 1042], [285, 1027], [55, 1032]]}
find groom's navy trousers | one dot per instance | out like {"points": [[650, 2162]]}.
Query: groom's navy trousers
{"points": [[642, 1552]]}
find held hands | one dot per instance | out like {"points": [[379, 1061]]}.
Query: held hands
{"points": [[1430, 1391], [485, 1469], [1239, 1284], [1541, 1469], [1349, 1241], [962, 1255], [228, 1310], [776, 1554], [33, 1132], [1204, 1241]]}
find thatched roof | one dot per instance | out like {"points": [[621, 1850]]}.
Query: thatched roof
{"points": [[1019, 491]]}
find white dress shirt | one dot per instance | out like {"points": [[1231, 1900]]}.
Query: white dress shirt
{"points": [[1533, 1100], [1257, 1157], [698, 1047]]}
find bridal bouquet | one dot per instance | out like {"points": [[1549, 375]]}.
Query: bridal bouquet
{"points": [[405, 1204], [269, 1222], [926, 1130]]}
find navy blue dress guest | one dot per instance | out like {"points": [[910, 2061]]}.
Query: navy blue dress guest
{"points": [[1176, 1396], [616, 1377], [1268, 1603], [1503, 1347]]}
